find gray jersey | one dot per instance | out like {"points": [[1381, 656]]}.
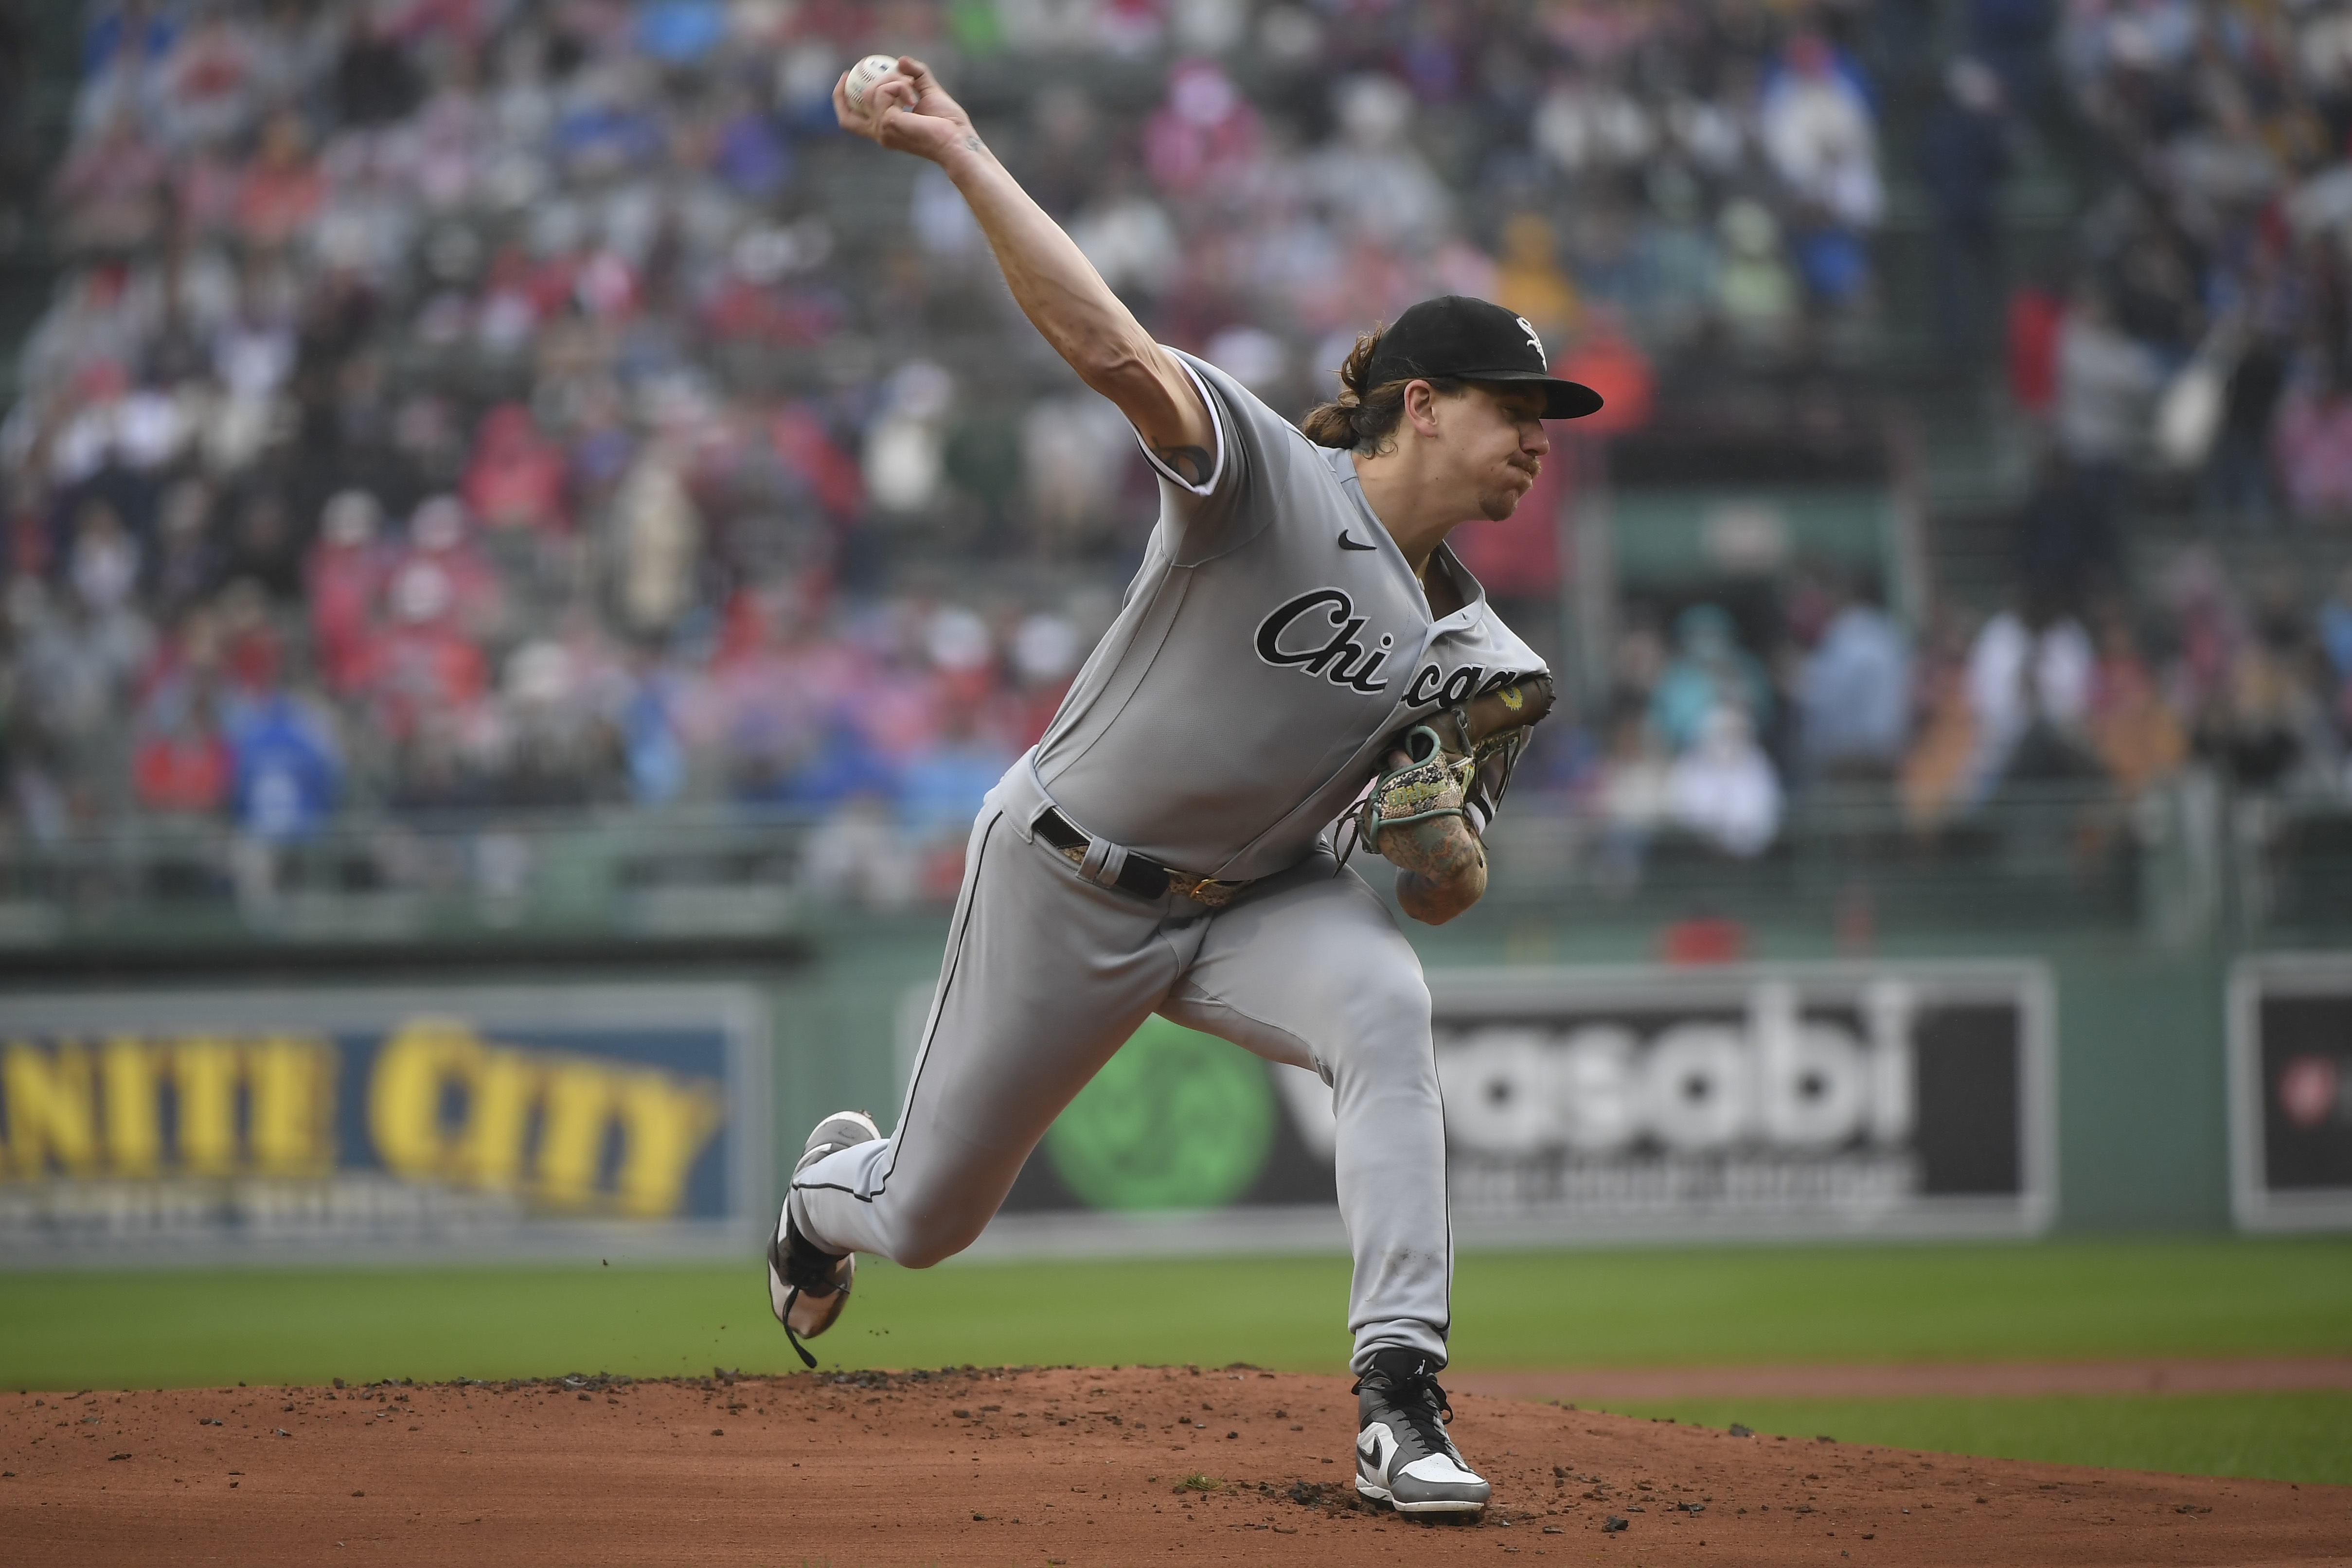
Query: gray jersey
{"points": [[1272, 642]]}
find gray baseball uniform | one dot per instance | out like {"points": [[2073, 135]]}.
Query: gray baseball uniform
{"points": [[1274, 640]]}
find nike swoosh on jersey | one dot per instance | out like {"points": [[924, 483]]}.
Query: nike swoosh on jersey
{"points": [[1347, 541]]}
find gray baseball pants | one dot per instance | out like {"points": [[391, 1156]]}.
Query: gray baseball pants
{"points": [[1047, 975]]}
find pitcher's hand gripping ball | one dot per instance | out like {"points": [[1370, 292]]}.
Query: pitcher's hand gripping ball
{"points": [[1444, 759], [865, 74]]}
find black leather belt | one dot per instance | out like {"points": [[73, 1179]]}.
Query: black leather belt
{"points": [[1140, 874]]}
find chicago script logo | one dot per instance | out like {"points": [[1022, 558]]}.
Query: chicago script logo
{"points": [[1430, 684], [1289, 637]]}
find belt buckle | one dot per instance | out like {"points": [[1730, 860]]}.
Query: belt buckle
{"points": [[1210, 891]]}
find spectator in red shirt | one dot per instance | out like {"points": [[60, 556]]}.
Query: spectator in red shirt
{"points": [[251, 654], [424, 663], [1206, 130], [179, 762], [2035, 315], [283, 190], [183, 764], [345, 575], [469, 594], [516, 479]]}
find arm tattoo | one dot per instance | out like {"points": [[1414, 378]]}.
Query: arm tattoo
{"points": [[1441, 873], [1192, 464], [1441, 851], [971, 143]]}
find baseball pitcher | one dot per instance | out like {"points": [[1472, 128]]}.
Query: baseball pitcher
{"points": [[1301, 672]]}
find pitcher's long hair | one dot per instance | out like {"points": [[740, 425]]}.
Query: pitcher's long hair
{"points": [[1362, 418]]}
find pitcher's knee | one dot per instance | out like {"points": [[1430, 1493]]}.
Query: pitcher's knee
{"points": [[933, 1235]]}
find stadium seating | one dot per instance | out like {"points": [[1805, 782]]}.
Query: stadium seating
{"points": [[462, 440]]}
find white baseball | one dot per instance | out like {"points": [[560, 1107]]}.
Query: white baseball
{"points": [[867, 72]]}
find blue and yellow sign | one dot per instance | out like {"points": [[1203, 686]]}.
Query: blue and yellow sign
{"points": [[456, 1116]]}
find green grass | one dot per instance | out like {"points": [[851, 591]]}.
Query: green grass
{"points": [[2033, 1301], [1678, 1307], [2284, 1437], [2065, 1299]]}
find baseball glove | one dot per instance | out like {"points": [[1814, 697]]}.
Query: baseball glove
{"points": [[1457, 763]]}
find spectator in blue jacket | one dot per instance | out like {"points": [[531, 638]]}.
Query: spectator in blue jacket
{"points": [[289, 772]]}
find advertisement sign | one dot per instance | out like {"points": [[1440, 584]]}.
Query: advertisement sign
{"points": [[1798, 1099], [2291, 1091], [1790, 1099], [547, 1118], [1180, 1120]]}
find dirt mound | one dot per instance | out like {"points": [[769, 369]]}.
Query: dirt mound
{"points": [[1030, 1465]]}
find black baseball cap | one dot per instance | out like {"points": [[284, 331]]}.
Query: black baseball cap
{"points": [[1474, 340]]}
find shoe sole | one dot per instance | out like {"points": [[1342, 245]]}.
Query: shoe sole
{"points": [[778, 1290], [1441, 1505]]}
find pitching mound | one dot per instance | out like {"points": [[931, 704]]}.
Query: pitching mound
{"points": [[1033, 1466]]}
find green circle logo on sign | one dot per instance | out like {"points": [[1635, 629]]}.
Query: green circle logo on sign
{"points": [[1177, 1120]]}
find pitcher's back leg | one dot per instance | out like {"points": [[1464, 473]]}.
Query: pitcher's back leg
{"points": [[1044, 977]]}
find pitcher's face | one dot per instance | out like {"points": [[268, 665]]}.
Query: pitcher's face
{"points": [[1492, 437]]}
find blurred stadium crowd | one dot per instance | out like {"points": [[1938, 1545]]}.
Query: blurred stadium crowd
{"points": [[459, 405]]}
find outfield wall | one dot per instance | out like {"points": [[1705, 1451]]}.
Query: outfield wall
{"points": [[1892, 1053], [2135, 1091]]}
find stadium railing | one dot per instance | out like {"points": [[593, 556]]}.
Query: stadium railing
{"points": [[2181, 864]]}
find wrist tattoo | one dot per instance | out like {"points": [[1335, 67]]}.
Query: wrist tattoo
{"points": [[1193, 464], [971, 143]]}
